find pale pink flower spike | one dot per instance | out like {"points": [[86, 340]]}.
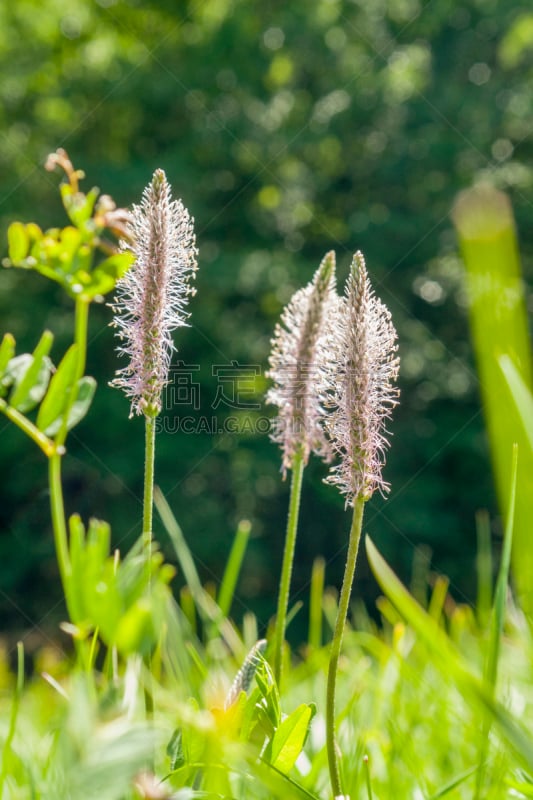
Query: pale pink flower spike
{"points": [[301, 350], [152, 297], [362, 394]]}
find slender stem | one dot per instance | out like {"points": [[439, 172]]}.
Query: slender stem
{"points": [[57, 505], [46, 445], [336, 644], [148, 502], [288, 558], [80, 334], [58, 520]]}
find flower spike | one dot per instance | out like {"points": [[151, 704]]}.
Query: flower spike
{"points": [[299, 364], [361, 388], [152, 297]]}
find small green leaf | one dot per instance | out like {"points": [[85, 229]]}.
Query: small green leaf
{"points": [[78, 206], [34, 232], [84, 391], [31, 386], [135, 630], [86, 388], [74, 591], [57, 397], [70, 241], [249, 726], [116, 265], [7, 351], [16, 369], [18, 242], [175, 750], [193, 741], [290, 737], [105, 275], [267, 686]]}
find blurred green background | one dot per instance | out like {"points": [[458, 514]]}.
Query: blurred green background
{"points": [[288, 129]]}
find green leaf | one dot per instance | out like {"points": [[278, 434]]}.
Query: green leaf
{"points": [[135, 630], [32, 383], [16, 369], [70, 242], [7, 351], [75, 588], [268, 688], [60, 392], [57, 397], [86, 388], [78, 206], [522, 397], [104, 276], [194, 741], [116, 265], [175, 750], [249, 724], [18, 242], [290, 737]]}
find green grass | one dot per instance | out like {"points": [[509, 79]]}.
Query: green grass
{"points": [[412, 722]]}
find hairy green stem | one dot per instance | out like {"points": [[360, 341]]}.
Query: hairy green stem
{"points": [[148, 504], [336, 644], [80, 334], [288, 558], [148, 500], [59, 524], [57, 505]]}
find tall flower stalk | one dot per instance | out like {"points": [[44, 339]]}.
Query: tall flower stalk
{"points": [[298, 368], [151, 303], [362, 395]]}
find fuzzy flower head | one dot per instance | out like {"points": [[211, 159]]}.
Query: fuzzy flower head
{"points": [[299, 365], [362, 393], [152, 297]]}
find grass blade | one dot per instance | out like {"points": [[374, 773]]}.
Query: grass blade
{"points": [[233, 566], [449, 660], [453, 784], [500, 595], [15, 705], [181, 547], [483, 568]]}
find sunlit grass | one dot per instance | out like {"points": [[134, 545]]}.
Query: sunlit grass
{"points": [[410, 699]]}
